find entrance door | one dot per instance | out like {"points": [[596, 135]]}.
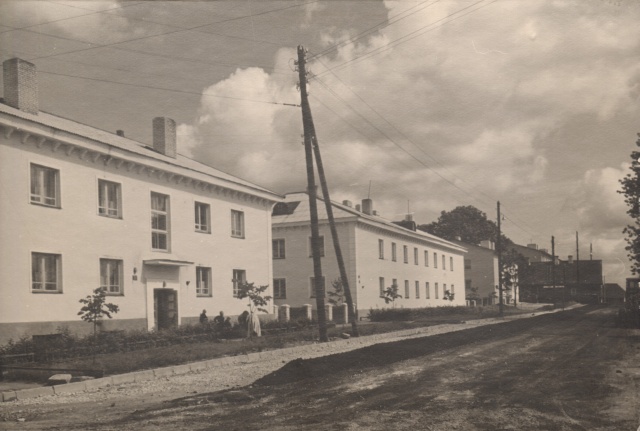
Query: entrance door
{"points": [[165, 308]]}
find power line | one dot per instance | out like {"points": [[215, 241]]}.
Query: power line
{"points": [[180, 30], [491, 199], [413, 34], [379, 26], [170, 89]]}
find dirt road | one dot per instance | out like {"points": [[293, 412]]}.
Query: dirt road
{"points": [[565, 371]]}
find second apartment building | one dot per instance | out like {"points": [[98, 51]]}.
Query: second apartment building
{"points": [[377, 254]]}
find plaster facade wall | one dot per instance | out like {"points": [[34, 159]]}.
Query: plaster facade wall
{"points": [[297, 265], [81, 236], [372, 267]]}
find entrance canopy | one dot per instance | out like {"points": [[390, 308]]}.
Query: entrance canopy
{"points": [[167, 262]]}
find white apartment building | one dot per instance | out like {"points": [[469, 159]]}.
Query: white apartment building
{"points": [[83, 208], [377, 254]]}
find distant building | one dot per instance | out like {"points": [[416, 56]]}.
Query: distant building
{"points": [[532, 253], [84, 208], [377, 254], [579, 281], [613, 294], [481, 275]]}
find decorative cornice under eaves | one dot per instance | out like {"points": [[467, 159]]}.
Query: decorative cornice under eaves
{"points": [[118, 158]]}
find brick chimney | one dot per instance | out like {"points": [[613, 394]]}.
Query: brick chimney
{"points": [[20, 85], [367, 206], [164, 136]]}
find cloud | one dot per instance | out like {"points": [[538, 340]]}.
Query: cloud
{"points": [[436, 108]]}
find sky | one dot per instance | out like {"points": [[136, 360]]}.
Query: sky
{"points": [[421, 105]]}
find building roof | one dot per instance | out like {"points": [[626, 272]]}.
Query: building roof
{"points": [[295, 210], [64, 125], [479, 248]]}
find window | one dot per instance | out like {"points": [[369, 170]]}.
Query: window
{"points": [[279, 288], [444, 290], [415, 255], [394, 283], [405, 253], [417, 290], [45, 186], [426, 258], [111, 276], [451, 263], [435, 260], [467, 264], [382, 286], [435, 290], [453, 289], [159, 221], [109, 200], [407, 294], [278, 248], [46, 272], [467, 284], [203, 281], [237, 224], [444, 262], [239, 277], [320, 246], [394, 256], [381, 248], [202, 217], [312, 290], [426, 290]]}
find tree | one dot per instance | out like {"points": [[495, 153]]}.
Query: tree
{"points": [[466, 222], [336, 296], [448, 295], [95, 308], [255, 294], [631, 191], [390, 294]]}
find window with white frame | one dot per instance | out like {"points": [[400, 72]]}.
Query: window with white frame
{"points": [[203, 281], [417, 290], [45, 186], [237, 224], [426, 258], [394, 256], [46, 272], [405, 253], [279, 288], [435, 260], [415, 255], [381, 248], [109, 199], [451, 263], [407, 294], [111, 279], [426, 290], [312, 286], [239, 277], [278, 248], [159, 221], [435, 290], [320, 246], [202, 214], [382, 286]]}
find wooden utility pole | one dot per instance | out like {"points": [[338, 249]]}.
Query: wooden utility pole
{"points": [[553, 265], [499, 248], [307, 123], [329, 208], [577, 266]]}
